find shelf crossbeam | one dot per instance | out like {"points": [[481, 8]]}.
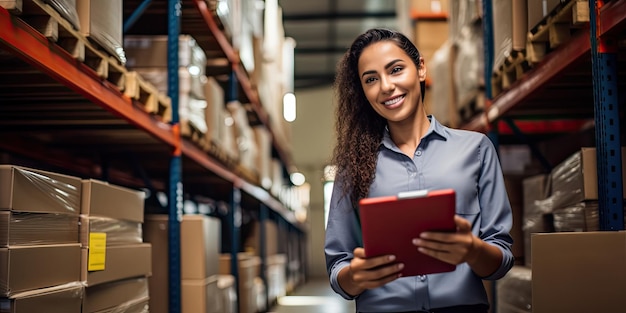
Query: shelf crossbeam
{"points": [[606, 108]]}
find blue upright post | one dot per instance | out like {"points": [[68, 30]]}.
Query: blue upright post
{"points": [[263, 218], [176, 188], [235, 220], [606, 108]]}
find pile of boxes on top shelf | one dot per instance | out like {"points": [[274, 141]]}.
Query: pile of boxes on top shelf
{"points": [[527, 30], [524, 31], [563, 262], [453, 57], [71, 244]]}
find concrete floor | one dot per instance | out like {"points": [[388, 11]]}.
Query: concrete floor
{"points": [[314, 296]]}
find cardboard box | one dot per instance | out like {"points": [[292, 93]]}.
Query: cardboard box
{"points": [[155, 230], [20, 228], [249, 267], [30, 190], [115, 295], [57, 299], [253, 242], [121, 262], [107, 200], [138, 306], [579, 272], [151, 51], [25, 268], [430, 6], [200, 246], [430, 36], [201, 295], [102, 22]]}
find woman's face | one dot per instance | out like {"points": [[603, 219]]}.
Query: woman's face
{"points": [[390, 80]]}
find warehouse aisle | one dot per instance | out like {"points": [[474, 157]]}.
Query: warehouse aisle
{"points": [[315, 296]]}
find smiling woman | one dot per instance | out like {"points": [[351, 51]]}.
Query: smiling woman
{"points": [[387, 144]]}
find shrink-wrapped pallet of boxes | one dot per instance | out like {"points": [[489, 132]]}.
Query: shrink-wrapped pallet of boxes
{"points": [[39, 244]]}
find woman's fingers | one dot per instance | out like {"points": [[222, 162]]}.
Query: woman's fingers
{"points": [[449, 247], [373, 272]]}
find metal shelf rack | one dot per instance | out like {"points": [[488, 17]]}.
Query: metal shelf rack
{"points": [[68, 118]]}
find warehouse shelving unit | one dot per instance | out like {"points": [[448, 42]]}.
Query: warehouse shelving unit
{"points": [[579, 80], [58, 114]]}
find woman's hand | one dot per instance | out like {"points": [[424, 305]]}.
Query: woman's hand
{"points": [[454, 248], [363, 274]]}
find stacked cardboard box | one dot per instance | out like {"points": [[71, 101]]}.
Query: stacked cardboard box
{"points": [[200, 247], [248, 269], [39, 243], [115, 262], [579, 272]]}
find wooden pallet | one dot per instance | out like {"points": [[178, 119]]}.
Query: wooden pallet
{"points": [[512, 69], [147, 96], [46, 20], [556, 28]]}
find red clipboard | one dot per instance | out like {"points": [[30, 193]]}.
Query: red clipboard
{"points": [[389, 224]]}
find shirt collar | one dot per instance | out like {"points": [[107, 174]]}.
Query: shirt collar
{"points": [[435, 130]]}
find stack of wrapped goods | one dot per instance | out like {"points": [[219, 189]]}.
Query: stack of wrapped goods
{"points": [[276, 259], [147, 55], [200, 245], [116, 263], [249, 284], [514, 291], [582, 251], [246, 145], [39, 247], [101, 21], [456, 66], [575, 192]]}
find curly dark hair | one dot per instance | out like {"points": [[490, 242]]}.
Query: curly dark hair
{"points": [[359, 129]]}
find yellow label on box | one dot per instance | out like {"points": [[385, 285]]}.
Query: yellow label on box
{"points": [[97, 251]]}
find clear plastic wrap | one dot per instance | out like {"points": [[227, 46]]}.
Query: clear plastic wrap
{"points": [[67, 9], [469, 64], [21, 228], [440, 68], [514, 291], [29, 190], [123, 296], [102, 22], [573, 217], [567, 181], [69, 296], [119, 232]]}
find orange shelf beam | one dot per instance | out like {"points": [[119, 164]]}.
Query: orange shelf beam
{"points": [[612, 18], [38, 51]]}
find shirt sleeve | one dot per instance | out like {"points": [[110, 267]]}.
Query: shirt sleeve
{"points": [[495, 208], [343, 235]]}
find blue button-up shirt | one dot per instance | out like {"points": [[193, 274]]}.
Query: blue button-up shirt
{"points": [[463, 160]]}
